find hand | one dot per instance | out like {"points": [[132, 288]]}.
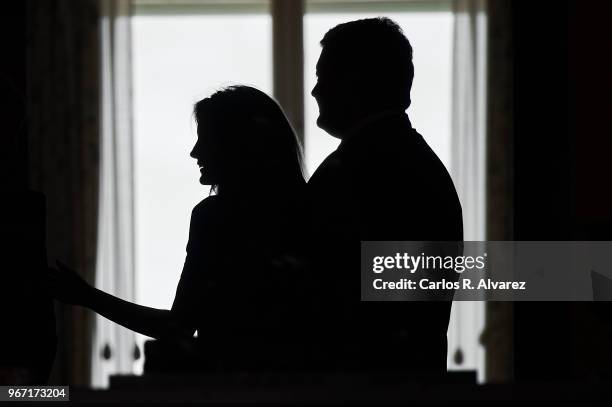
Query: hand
{"points": [[65, 285]]}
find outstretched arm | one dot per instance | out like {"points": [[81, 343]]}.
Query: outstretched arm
{"points": [[67, 286]]}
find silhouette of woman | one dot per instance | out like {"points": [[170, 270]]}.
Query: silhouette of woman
{"points": [[243, 238]]}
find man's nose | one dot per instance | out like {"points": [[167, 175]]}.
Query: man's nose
{"points": [[314, 90], [193, 151]]}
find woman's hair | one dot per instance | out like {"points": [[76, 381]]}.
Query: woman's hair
{"points": [[251, 138]]}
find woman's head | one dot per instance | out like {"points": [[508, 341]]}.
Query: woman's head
{"points": [[244, 141]]}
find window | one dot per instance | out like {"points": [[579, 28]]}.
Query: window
{"points": [[181, 51], [178, 59]]}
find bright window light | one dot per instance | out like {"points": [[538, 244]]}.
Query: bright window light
{"points": [[177, 60]]}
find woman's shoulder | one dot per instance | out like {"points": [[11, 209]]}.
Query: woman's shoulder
{"points": [[209, 210], [208, 204]]}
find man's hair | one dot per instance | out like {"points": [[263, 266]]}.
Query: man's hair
{"points": [[378, 49]]}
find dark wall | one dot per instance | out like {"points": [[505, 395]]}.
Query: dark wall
{"points": [[13, 31], [590, 91], [13, 156], [543, 159], [562, 171]]}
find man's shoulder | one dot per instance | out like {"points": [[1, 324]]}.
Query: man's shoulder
{"points": [[325, 170]]}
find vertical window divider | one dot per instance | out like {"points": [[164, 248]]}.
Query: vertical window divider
{"points": [[288, 60]]}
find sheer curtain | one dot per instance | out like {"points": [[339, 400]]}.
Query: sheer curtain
{"points": [[468, 165], [114, 346]]}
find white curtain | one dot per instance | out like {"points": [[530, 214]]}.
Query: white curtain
{"points": [[468, 165], [114, 346]]}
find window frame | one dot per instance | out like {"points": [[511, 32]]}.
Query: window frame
{"points": [[287, 35]]}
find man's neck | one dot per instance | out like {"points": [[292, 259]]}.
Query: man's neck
{"points": [[369, 119]]}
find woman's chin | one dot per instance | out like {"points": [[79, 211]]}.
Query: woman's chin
{"points": [[204, 180]]}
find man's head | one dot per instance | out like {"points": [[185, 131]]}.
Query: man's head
{"points": [[365, 68]]}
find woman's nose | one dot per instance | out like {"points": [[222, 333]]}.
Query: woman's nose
{"points": [[193, 152]]}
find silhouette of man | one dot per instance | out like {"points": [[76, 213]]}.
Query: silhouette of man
{"points": [[382, 183]]}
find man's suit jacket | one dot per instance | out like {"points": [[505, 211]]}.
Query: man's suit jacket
{"points": [[382, 183]]}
